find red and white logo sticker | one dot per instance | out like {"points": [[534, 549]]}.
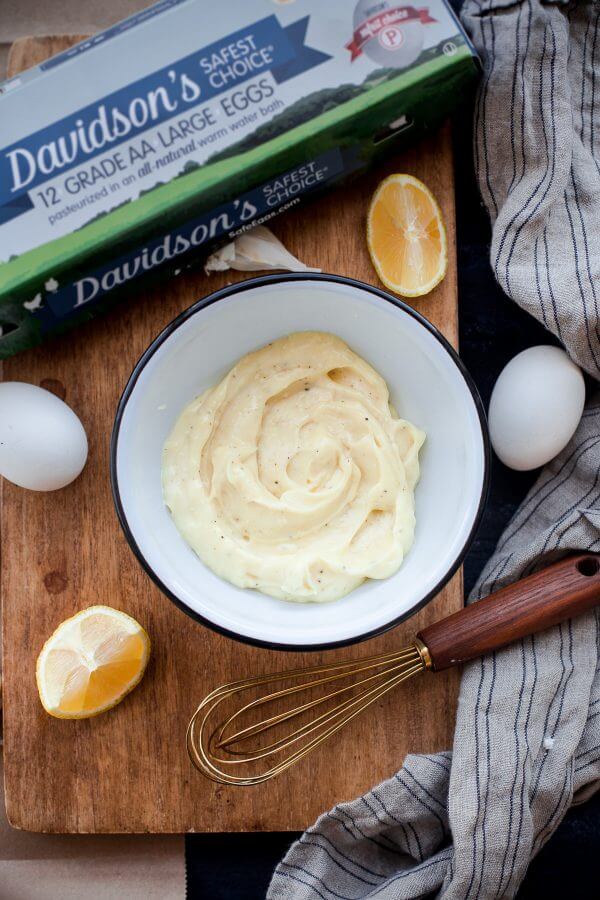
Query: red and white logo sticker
{"points": [[386, 27]]}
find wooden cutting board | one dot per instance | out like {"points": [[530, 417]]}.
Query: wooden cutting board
{"points": [[128, 770]]}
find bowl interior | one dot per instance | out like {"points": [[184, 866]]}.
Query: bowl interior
{"points": [[426, 386]]}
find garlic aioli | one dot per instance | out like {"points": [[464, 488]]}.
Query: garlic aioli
{"points": [[294, 475]]}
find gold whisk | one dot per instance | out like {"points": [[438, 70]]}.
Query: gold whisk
{"points": [[228, 753]]}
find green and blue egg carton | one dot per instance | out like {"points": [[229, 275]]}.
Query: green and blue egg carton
{"points": [[136, 151]]}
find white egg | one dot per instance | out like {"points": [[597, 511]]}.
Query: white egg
{"points": [[43, 445], [535, 408]]}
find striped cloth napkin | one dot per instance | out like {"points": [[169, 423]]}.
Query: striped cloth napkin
{"points": [[467, 823]]}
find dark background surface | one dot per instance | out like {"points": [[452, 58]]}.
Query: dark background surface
{"points": [[492, 330]]}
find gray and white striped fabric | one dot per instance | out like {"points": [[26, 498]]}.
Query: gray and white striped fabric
{"points": [[466, 823], [537, 158]]}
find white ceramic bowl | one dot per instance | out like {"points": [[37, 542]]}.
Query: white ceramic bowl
{"points": [[429, 387]]}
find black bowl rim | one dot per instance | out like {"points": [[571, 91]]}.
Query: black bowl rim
{"points": [[240, 287]]}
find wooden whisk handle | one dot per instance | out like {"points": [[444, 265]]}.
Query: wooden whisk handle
{"points": [[559, 592]]}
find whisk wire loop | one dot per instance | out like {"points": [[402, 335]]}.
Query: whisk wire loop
{"points": [[208, 743], [267, 724]]}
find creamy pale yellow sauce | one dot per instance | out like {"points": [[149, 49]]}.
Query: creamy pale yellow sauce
{"points": [[294, 475]]}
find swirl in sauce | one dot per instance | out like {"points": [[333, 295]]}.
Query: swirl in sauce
{"points": [[294, 475]]}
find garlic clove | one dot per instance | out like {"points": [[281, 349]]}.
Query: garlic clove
{"points": [[221, 259], [255, 250]]}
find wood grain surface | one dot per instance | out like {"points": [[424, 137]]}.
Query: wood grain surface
{"points": [[127, 770]]}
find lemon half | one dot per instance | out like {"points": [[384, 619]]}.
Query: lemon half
{"points": [[406, 236], [91, 662]]}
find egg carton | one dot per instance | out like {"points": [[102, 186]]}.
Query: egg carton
{"points": [[142, 148]]}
